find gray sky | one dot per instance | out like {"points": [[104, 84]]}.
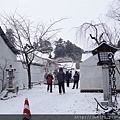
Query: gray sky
{"points": [[79, 11]]}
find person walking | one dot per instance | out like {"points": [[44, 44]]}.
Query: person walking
{"points": [[61, 79], [76, 80], [67, 78], [55, 77], [70, 73], [49, 82]]}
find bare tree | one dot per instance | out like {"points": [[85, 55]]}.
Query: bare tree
{"points": [[114, 14], [101, 32], [28, 37], [96, 32], [10, 36], [3, 73]]}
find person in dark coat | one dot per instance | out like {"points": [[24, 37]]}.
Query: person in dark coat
{"points": [[67, 78], [49, 82], [70, 73], [61, 80], [76, 80]]}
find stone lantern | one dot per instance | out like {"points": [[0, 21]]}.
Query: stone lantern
{"points": [[105, 54], [10, 77], [104, 51]]}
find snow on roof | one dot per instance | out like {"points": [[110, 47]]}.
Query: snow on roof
{"points": [[89, 58], [117, 55], [86, 56], [67, 65], [45, 56], [91, 61]]}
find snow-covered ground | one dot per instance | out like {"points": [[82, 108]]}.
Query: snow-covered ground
{"points": [[43, 102]]}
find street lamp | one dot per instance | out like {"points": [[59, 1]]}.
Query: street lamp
{"points": [[105, 54]]}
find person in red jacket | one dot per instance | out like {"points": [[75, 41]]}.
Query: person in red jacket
{"points": [[49, 82]]}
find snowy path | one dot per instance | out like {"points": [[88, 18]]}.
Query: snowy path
{"points": [[43, 102]]}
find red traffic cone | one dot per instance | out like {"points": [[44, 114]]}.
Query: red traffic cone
{"points": [[26, 111]]}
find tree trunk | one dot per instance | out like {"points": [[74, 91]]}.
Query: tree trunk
{"points": [[29, 76]]}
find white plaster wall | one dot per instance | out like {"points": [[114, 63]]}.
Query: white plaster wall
{"points": [[21, 78], [7, 57], [5, 51], [117, 75], [21, 75], [91, 75], [37, 74]]}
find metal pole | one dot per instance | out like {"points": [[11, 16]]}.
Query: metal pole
{"points": [[110, 87]]}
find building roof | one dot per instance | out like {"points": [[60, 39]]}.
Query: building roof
{"points": [[103, 47], [8, 43]]}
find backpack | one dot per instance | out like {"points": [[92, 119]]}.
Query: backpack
{"points": [[49, 79]]}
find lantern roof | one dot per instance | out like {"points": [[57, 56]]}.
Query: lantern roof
{"points": [[103, 47]]}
